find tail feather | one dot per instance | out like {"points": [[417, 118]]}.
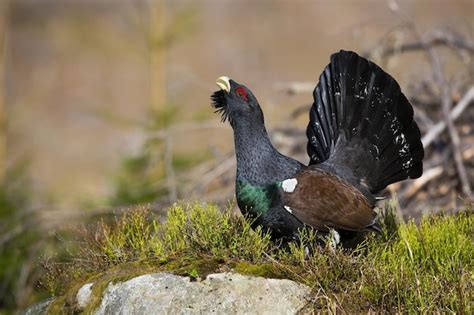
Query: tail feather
{"points": [[361, 125]]}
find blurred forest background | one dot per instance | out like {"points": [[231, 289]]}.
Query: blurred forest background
{"points": [[104, 104]]}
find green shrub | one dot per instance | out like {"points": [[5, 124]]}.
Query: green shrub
{"points": [[408, 268], [427, 267]]}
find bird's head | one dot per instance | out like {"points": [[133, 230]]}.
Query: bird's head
{"points": [[235, 102]]}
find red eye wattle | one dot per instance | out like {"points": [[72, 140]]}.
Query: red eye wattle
{"points": [[242, 93]]}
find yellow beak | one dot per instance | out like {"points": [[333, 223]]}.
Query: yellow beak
{"points": [[223, 83]]}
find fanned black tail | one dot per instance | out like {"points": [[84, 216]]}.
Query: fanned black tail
{"points": [[361, 125]]}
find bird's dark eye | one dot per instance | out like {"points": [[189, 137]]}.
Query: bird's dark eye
{"points": [[242, 93]]}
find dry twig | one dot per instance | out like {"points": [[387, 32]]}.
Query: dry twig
{"points": [[433, 39], [446, 103], [437, 129], [419, 183]]}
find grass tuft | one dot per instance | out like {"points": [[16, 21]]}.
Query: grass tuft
{"points": [[425, 267]]}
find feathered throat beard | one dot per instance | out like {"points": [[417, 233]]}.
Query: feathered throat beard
{"points": [[219, 102]]}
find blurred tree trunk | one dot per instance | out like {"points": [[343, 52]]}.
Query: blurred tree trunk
{"points": [[158, 97], [4, 5], [158, 94]]}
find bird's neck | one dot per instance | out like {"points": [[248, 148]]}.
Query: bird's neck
{"points": [[258, 162]]}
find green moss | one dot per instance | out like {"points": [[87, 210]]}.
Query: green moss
{"points": [[57, 306], [116, 274], [265, 270], [409, 268], [67, 303], [190, 266]]}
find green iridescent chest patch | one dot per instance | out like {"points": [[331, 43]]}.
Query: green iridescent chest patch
{"points": [[256, 200]]}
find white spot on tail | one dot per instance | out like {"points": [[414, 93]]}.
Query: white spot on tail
{"points": [[289, 185], [288, 209], [334, 238]]}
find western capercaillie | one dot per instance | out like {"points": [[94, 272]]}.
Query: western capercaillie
{"points": [[361, 138]]}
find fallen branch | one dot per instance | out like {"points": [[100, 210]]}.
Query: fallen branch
{"points": [[437, 38], [446, 103], [437, 129], [419, 183], [221, 169], [446, 100]]}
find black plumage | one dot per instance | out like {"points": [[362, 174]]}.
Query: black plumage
{"points": [[361, 125], [361, 138]]}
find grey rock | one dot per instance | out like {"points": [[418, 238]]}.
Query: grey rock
{"points": [[40, 308], [84, 295], [223, 293]]}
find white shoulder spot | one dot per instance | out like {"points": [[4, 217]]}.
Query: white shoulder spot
{"points": [[289, 185], [288, 209]]}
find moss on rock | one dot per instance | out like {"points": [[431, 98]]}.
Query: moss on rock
{"points": [[411, 267]]}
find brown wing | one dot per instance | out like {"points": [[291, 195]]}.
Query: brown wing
{"points": [[321, 200]]}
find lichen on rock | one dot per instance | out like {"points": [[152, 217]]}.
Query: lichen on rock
{"points": [[83, 295], [165, 293]]}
